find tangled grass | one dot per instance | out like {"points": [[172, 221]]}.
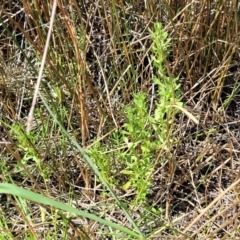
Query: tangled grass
{"points": [[99, 59]]}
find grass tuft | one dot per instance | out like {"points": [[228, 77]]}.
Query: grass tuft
{"points": [[135, 128]]}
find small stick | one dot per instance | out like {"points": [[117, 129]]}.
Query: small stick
{"points": [[30, 115]]}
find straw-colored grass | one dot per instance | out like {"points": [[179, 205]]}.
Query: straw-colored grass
{"points": [[98, 59]]}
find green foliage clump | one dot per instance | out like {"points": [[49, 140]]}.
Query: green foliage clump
{"points": [[130, 161], [26, 142], [168, 89]]}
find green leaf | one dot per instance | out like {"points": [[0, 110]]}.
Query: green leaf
{"points": [[127, 185], [127, 172]]}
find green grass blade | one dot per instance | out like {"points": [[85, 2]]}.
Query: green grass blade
{"points": [[12, 189]]}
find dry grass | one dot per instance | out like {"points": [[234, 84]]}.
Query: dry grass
{"points": [[99, 56]]}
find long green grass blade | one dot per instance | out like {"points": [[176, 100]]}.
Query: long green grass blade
{"points": [[12, 189]]}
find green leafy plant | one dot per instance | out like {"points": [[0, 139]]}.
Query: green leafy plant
{"points": [[140, 149], [168, 88], [27, 142], [142, 135]]}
